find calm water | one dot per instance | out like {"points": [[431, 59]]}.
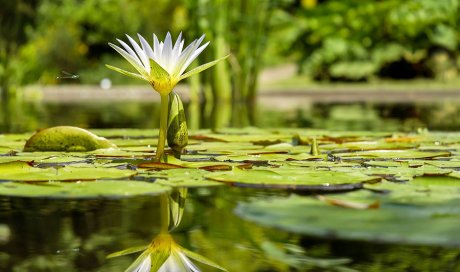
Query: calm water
{"points": [[444, 116], [54, 235]]}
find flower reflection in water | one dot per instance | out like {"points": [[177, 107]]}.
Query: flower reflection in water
{"points": [[163, 254]]}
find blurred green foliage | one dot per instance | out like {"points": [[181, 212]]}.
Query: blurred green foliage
{"points": [[361, 39], [351, 40], [72, 36]]}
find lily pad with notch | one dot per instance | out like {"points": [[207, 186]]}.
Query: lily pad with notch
{"points": [[25, 171], [81, 190], [392, 222], [294, 179]]}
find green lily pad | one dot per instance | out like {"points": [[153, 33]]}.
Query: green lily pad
{"points": [[66, 138], [42, 158], [392, 154], [421, 190], [78, 190], [205, 165], [369, 145], [406, 173], [318, 164], [392, 222], [146, 142], [25, 171], [126, 133], [445, 164], [262, 136], [268, 157], [289, 178], [220, 148], [181, 177]]}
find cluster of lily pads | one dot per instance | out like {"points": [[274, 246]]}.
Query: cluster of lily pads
{"points": [[359, 185]]}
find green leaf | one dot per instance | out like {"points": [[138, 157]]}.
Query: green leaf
{"points": [[159, 254], [201, 259], [292, 178], [181, 177], [201, 68], [157, 71], [127, 251], [24, 171], [79, 190], [66, 138], [392, 154], [393, 222], [124, 72]]}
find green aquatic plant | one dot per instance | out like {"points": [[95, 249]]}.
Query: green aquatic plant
{"points": [[162, 66], [66, 138], [163, 254], [177, 125]]}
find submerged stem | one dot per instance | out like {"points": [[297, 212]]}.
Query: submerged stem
{"points": [[164, 213], [163, 127]]}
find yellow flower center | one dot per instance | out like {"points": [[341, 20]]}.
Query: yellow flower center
{"points": [[163, 86]]}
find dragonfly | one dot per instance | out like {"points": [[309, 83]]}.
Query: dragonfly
{"points": [[67, 75]]}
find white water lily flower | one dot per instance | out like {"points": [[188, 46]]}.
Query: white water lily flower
{"points": [[164, 64], [164, 255]]}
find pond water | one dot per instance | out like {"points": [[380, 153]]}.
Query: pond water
{"points": [[52, 235], [236, 226], [439, 116]]}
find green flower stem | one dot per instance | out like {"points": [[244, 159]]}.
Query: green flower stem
{"points": [[164, 213], [163, 127]]}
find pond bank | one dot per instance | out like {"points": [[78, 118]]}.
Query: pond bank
{"points": [[279, 99]]}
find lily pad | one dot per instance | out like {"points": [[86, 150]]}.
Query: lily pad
{"points": [[65, 138], [25, 171], [306, 179], [392, 222], [392, 154], [77, 190], [268, 157], [369, 145], [181, 177]]}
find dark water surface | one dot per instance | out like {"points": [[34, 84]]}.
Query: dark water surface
{"points": [[439, 116], [63, 235]]}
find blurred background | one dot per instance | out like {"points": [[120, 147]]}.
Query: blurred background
{"points": [[332, 64]]}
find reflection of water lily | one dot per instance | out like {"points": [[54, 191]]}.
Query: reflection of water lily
{"points": [[165, 255], [163, 66]]}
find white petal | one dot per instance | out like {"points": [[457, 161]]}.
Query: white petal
{"points": [[134, 62], [200, 40], [189, 265], [181, 46], [167, 52], [130, 51], [192, 57], [172, 264], [143, 57], [183, 58], [144, 266], [177, 48], [156, 48], [146, 47]]}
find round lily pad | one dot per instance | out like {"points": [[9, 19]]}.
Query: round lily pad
{"points": [[65, 138], [293, 178], [392, 222], [392, 154], [25, 171], [181, 177], [77, 190]]}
